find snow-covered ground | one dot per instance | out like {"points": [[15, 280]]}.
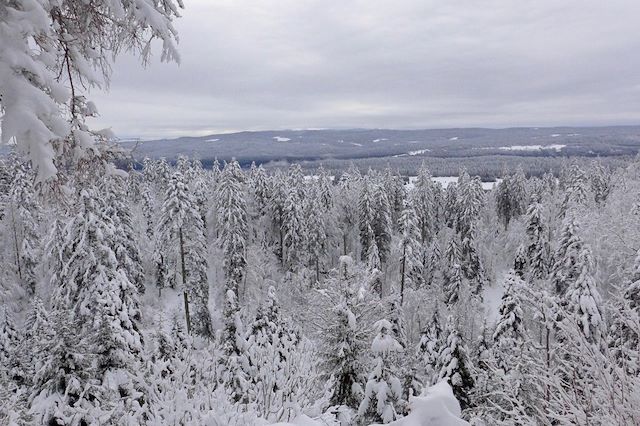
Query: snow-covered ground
{"points": [[281, 139], [413, 153], [436, 406], [446, 180], [555, 147]]}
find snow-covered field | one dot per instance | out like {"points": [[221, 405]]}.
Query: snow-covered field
{"points": [[552, 147], [446, 180]]}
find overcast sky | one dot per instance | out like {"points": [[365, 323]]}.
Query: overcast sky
{"points": [[278, 64]]}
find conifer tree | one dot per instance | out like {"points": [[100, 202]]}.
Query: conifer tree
{"points": [[344, 340], [182, 246], [583, 298], [273, 349], [509, 332], [94, 297], [431, 342], [383, 390], [316, 213], [423, 198], [624, 336], [365, 207], [24, 216], [453, 364], [232, 218], [538, 250], [520, 260], [570, 245], [293, 223], [600, 182], [126, 246], [410, 269]]}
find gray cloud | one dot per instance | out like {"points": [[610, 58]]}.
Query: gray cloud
{"points": [[270, 64]]}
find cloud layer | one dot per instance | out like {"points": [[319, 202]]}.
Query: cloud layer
{"points": [[273, 64]]}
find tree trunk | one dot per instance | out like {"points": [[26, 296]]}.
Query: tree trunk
{"points": [[15, 239], [184, 283], [402, 269]]}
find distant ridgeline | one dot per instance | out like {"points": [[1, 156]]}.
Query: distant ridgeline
{"points": [[483, 152]]}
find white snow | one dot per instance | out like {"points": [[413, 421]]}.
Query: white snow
{"points": [[212, 140], [379, 140], [356, 144], [555, 135], [455, 138], [281, 139], [556, 147], [446, 180], [412, 153], [436, 406]]}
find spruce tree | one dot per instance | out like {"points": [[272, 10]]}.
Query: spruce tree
{"points": [[24, 216], [383, 389], [509, 332], [182, 246], [538, 250], [453, 364], [431, 342], [232, 218]]}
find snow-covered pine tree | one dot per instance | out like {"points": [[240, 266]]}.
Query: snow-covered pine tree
{"points": [[344, 339], [126, 244], [431, 342], [410, 267], [367, 214], [423, 199], [182, 246], [538, 250], [624, 334], [452, 277], [316, 238], [570, 245], [383, 390], [520, 261], [232, 222], [63, 390], [236, 361], [294, 221], [95, 298], [453, 364], [45, 40], [375, 268], [25, 214], [471, 265], [509, 331], [583, 300], [575, 191], [382, 224], [273, 347], [600, 182]]}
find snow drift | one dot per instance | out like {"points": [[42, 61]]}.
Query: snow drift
{"points": [[436, 406]]}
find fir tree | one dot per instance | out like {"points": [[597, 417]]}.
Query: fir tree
{"points": [[509, 332], [24, 216], [383, 390], [182, 245], [538, 250], [453, 364], [410, 270], [232, 218], [431, 342]]}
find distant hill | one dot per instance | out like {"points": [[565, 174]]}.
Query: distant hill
{"points": [[395, 145]]}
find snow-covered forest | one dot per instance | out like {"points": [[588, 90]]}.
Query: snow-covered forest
{"points": [[173, 294], [179, 295]]}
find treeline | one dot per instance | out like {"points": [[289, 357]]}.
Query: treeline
{"points": [[181, 295]]}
